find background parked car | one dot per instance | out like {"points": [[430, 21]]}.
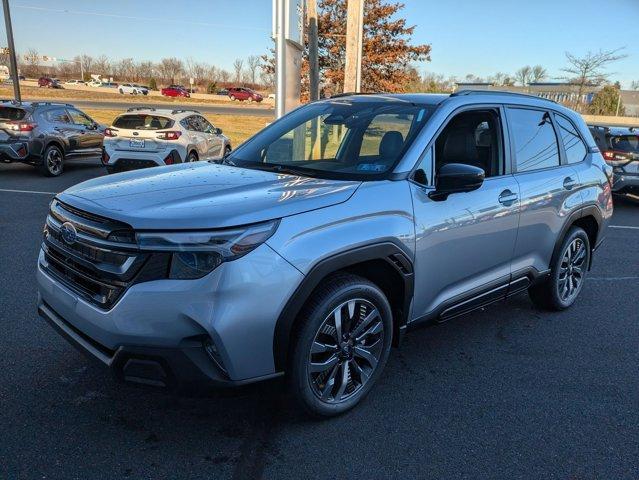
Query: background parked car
{"points": [[223, 91], [131, 89], [175, 91], [94, 83], [109, 85], [241, 93], [46, 134], [74, 82], [620, 149], [149, 137], [49, 82]]}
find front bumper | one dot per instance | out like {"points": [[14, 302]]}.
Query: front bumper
{"points": [[158, 330]]}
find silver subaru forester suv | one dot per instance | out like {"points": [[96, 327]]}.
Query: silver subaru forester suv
{"points": [[312, 248]]}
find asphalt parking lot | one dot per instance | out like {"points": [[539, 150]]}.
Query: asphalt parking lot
{"points": [[508, 392]]}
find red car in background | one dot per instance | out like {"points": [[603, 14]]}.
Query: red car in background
{"points": [[241, 93], [175, 91], [49, 82]]}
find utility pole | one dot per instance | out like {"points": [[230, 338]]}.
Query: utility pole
{"points": [[354, 34], [313, 57], [280, 55], [12, 51]]}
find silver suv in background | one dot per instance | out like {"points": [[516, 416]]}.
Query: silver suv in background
{"points": [[620, 149], [312, 248], [147, 137]]}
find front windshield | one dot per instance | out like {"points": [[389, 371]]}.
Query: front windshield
{"points": [[336, 139]]}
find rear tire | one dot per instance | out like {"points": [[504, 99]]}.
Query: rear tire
{"points": [[340, 345], [567, 273], [233, 98], [121, 92], [191, 157], [52, 161]]}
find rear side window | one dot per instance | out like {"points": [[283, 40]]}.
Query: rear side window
{"points": [[142, 122], [57, 115], [10, 113], [573, 144], [534, 138]]}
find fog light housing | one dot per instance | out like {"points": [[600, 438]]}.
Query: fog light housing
{"points": [[214, 354]]}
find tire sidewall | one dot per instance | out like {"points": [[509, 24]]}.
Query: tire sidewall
{"points": [[45, 163], [573, 234], [314, 318]]}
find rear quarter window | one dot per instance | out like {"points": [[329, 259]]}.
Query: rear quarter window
{"points": [[142, 122]]}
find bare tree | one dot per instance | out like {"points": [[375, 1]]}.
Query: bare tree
{"points": [[590, 69], [225, 75], [196, 70], [253, 63], [538, 74], [144, 70], [170, 69], [238, 66], [523, 75], [635, 85], [102, 66], [32, 61]]}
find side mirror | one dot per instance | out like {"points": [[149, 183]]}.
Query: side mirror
{"points": [[217, 131], [456, 178]]}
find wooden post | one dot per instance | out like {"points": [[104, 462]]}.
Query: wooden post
{"points": [[354, 34]]}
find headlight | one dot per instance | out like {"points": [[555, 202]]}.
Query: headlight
{"points": [[198, 253]]}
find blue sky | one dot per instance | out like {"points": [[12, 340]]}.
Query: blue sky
{"points": [[467, 36]]}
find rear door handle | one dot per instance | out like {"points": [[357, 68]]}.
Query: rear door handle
{"points": [[507, 197], [569, 183]]}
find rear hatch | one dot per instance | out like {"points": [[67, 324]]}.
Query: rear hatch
{"points": [[139, 132], [14, 123]]}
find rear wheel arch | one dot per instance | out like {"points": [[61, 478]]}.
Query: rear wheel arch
{"points": [[56, 143], [386, 265], [588, 218]]}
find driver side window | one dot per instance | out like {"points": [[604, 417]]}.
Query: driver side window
{"points": [[472, 138]]}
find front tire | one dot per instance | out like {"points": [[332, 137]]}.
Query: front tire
{"points": [[567, 274], [340, 346], [191, 157], [52, 161]]}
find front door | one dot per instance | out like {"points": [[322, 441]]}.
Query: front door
{"points": [[90, 138], [464, 244]]}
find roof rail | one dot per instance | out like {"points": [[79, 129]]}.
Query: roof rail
{"points": [[133, 109], [348, 94], [183, 110], [459, 93], [53, 103]]}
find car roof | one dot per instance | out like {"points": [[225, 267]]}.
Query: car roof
{"points": [[176, 113], [32, 105], [615, 130]]}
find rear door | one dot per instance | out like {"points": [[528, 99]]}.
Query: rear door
{"points": [[197, 137], [62, 125], [215, 142], [548, 184]]}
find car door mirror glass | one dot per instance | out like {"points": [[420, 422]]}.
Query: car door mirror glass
{"points": [[456, 178]]}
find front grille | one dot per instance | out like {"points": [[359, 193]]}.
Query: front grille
{"points": [[93, 266]]}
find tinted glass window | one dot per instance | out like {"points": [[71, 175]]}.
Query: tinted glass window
{"points": [[9, 113], [340, 139], [625, 143], [142, 122], [573, 145], [80, 118], [472, 138], [534, 137], [57, 115]]}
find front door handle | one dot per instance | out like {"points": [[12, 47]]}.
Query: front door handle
{"points": [[569, 183], [507, 197]]}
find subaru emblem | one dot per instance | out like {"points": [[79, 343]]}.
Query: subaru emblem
{"points": [[69, 233]]}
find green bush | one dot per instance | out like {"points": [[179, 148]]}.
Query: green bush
{"points": [[153, 84], [212, 87]]}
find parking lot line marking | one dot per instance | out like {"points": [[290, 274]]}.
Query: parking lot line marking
{"points": [[624, 227], [611, 279], [26, 191]]}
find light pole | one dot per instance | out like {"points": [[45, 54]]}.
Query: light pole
{"points": [[12, 51]]}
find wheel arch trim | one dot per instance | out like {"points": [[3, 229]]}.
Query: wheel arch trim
{"points": [[396, 257]]}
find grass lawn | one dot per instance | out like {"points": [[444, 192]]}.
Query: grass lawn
{"points": [[237, 127]]}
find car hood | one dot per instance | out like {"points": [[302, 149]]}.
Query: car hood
{"points": [[203, 195]]}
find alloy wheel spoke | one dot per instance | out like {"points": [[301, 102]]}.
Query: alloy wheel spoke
{"points": [[317, 367], [363, 352], [374, 329], [338, 324], [372, 315], [345, 377], [319, 347], [330, 383], [363, 374]]}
